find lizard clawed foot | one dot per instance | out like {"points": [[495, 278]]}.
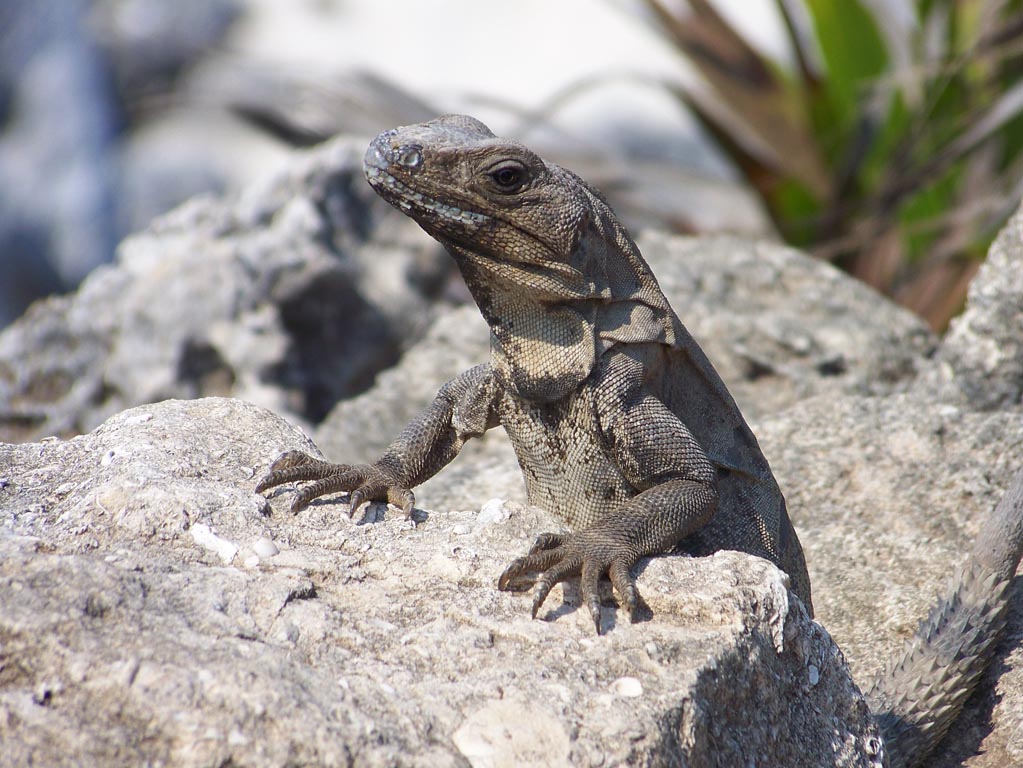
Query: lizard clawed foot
{"points": [[363, 482], [558, 557]]}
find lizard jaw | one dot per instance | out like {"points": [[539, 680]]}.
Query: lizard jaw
{"points": [[377, 165]]}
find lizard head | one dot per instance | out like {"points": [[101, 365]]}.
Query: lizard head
{"points": [[490, 201]]}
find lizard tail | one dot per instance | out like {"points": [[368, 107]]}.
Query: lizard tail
{"points": [[921, 693], [918, 697]]}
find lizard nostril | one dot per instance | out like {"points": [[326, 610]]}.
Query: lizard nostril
{"points": [[376, 158]]}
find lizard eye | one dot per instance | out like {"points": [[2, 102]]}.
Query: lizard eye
{"points": [[411, 156], [509, 176]]}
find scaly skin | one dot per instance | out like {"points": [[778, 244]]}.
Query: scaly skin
{"points": [[621, 426]]}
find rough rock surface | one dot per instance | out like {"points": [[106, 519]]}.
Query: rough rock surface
{"points": [[780, 326], [887, 495], [980, 363], [144, 587], [286, 295]]}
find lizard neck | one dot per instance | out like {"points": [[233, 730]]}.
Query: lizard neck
{"points": [[541, 349], [547, 330], [545, 366]]}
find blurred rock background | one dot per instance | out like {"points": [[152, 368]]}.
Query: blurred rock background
{"points": [[79, 167], [113, 111]]}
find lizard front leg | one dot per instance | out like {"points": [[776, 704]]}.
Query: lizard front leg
{"points": [[677, 496], [463, 409]]}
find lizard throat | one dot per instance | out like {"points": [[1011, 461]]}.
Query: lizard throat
{"points": [[409, 200]]}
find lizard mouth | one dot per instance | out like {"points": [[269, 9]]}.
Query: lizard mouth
{"points": [[410, 200]]}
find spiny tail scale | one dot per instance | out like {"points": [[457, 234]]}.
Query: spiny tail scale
{"points": [[922, 692]]}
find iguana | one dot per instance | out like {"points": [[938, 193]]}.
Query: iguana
{"points": [[621, 425]]}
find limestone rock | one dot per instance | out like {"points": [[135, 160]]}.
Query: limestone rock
{"points": [[780, 326], [140, 624], [887, 496], [980, 362]]}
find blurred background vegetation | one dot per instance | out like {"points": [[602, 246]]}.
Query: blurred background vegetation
{"points": [[892, 147]]}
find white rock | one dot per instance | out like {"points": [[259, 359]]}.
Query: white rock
{"points": [[628, 687], [265, 547], [493, 511], [204, 537]]}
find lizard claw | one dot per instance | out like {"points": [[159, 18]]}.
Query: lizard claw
{"points": [[546, 541], [364, 482], [556, 558], [290, 466]]}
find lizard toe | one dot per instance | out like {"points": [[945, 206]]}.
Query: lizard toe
{"points": [[589, 584], [546, 541], [561, 570], [375, 487], [624, 584], [293, 459], [289, 467], [342, 478], [403, 498], [519, 576], [515, 578]]}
